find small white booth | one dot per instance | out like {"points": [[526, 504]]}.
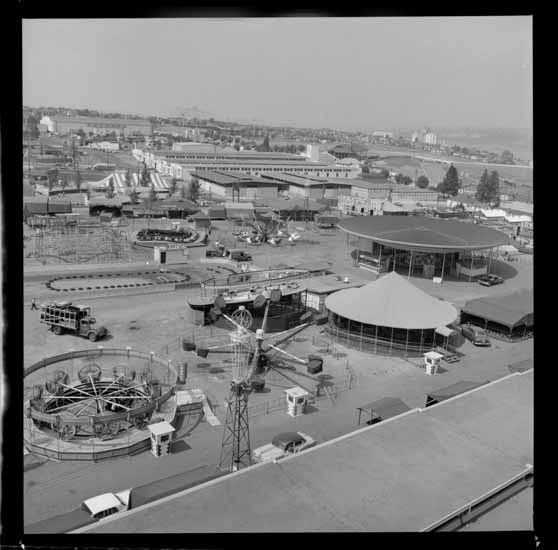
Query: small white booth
{"points": [[160, 254], [432, 360], [161, 436], [297, 398]]}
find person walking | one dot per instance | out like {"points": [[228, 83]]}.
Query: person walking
{"points": [[33, 304]]}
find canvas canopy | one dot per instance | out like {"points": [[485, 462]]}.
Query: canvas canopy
{"points": [[392, 301], [508, 310]]}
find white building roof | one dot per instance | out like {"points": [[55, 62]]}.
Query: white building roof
{"points": [[518, 219], [296, 392], [161, 428], [493, 213]]}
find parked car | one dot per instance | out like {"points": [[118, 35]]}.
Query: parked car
{"points": [[283, 444], [239, 256], [475, 335], [490, 280]]}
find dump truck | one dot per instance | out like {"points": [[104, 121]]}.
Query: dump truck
{"points": [[65, 317]]}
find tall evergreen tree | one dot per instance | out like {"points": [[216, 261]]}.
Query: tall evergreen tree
{"points": [[494, 188], [482, 188], [450, 184]]}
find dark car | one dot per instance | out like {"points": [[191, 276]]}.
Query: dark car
{"points": [[239, 256], [490, 280], [475, 335]]}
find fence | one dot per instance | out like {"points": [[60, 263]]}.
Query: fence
{"points": [[379, 346]]}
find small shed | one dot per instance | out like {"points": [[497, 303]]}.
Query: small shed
{"points": [[432, 360], [201, 220], [297, 398], [161, 435]]}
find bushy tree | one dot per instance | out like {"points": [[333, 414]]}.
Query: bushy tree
{"points": [[450, 184], [506, 157], [32, 127], [422, 182], [110, 193], [194, 190], [406, 180]]}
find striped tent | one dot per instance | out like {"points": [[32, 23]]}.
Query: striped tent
{"points": [[159, 183]]}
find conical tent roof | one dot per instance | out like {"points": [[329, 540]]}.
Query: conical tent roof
{"points": [[392, 301]]}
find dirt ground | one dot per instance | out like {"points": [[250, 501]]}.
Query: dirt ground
{"points": [[157, 321]]}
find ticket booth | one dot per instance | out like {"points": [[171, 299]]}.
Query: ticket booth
{"points": [[160, 254], [432, 361], [297, 398], [161, 436]]}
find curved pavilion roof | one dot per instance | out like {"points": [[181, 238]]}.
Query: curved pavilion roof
{"points": [[423, 234], [392, 301]]}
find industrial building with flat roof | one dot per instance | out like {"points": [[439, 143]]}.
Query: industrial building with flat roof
{"points": [[251, 163], [406, 473], [310, 186], [99, 125], [231, 186]]}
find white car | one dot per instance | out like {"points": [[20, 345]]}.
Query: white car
{"points": [[107, 504], [283, 444]]}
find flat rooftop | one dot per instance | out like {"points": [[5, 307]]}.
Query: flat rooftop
{"points": [[424, 234], [402, 474]]}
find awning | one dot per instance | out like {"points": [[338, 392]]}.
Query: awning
{"points": [[444, 331], [385, 408]]}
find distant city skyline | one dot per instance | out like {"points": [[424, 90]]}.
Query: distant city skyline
{"points": [[344, 73]]}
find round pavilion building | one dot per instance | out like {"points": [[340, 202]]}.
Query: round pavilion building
{"points": [[389, 316], [422, 246]]}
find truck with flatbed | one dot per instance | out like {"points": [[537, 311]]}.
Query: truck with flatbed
{"points": [[66, 317]]}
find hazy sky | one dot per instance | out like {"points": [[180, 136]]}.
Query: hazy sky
{"points": [[369, 73]]}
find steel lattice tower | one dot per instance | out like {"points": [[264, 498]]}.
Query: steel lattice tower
{"points": [[235, 447]]}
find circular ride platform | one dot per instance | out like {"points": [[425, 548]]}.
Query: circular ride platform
{"points": [[94, 404]]}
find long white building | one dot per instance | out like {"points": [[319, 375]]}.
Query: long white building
{"points": [[182, 165]]}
